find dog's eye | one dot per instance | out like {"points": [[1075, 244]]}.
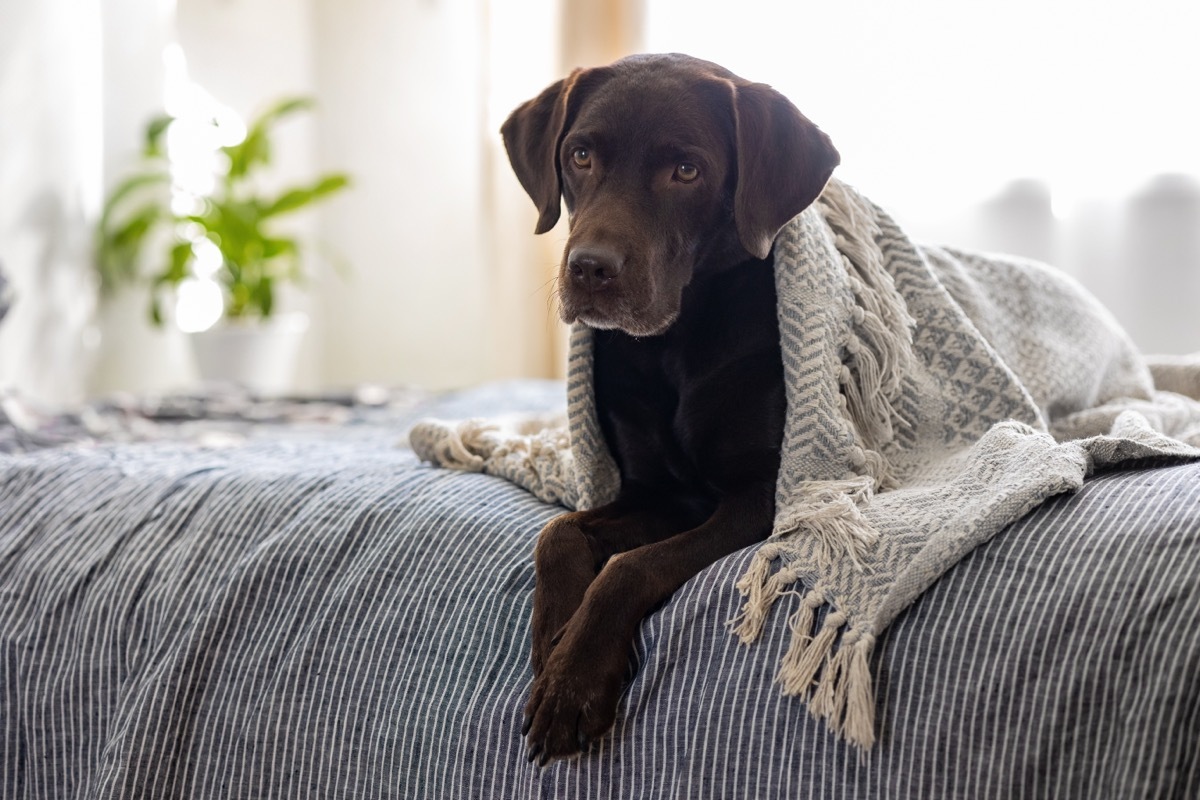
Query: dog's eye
{"points": [[582, 157], [686, 172]]}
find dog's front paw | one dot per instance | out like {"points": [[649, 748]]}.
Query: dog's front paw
{"points": [[565, 569], [570, 705], [545, 639]]}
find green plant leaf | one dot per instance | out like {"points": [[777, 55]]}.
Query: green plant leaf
{"points": [[255, 149], [263, 296], [281, 108], [274, 247], [299, 197], [155, 129], [127, 187], [178, 258], [239, 300], [253, 258], [123, 248], [243, 156], [127, 238], [118, 249]]}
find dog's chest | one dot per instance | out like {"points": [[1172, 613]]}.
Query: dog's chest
{"points": [[700, 407]]}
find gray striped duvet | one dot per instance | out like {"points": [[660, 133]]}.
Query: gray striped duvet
{"points": [[322, 616]]}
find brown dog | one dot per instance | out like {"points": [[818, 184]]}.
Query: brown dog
{"points": [[677, 176]]}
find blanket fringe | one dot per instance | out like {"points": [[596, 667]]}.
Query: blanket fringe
{"points": [[532, 450], [469, 444], [830, 516], [858, 727], [761, 588], [879, 350], [462, 446], [834, 678], [807, 654]]}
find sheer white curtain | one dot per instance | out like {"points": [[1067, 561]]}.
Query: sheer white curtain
{"points": [[50, 170], [1066, 130]]}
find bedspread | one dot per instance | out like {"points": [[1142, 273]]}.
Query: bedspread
{"points": [[286, 612]]}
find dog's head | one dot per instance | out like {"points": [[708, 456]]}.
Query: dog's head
{"points": [[668, 165]]}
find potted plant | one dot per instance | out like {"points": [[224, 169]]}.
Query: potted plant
{"points": [[195, 225]]}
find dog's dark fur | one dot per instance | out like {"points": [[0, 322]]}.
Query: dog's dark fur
{"points": [[677, 175]]}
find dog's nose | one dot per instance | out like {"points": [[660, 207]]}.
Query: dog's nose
{"points": [[593, 267]]}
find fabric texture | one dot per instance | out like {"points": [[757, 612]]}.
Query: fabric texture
{"points": [[934, 397], [314, 614]]}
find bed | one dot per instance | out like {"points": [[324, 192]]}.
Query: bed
{"points": [[213, 596]]}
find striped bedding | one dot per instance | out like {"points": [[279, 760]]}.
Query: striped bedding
{"points": [[317, 614]]}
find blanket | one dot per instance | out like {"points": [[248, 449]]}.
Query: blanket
{"points": [[934, 396]]}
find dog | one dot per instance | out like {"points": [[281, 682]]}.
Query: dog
{"points": [[676, 175]]}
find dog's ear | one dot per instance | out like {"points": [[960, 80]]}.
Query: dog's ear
{"points": [[783, 163], [532, 134]]}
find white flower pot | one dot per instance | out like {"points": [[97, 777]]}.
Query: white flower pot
{"points": [[261, 355]]}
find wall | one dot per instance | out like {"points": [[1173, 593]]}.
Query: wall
{"points": [[402, 87]]}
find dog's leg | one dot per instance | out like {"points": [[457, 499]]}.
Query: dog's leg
{"points": [[570, 552], [574, 698]]}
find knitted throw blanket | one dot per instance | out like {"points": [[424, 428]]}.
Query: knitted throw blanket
{"points": [[933, 397]]}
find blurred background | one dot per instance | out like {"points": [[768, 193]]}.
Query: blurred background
{"points": [[1065, 130]]}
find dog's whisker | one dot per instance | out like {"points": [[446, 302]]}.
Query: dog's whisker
{"points": [[554, 298]]}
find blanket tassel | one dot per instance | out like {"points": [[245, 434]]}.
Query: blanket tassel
{"points": [[859, 724], [761, 590], [806, 654], [834, 678]]}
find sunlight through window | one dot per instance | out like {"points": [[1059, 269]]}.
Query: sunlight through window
{"points": [[201, 127], [942, 101]]}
